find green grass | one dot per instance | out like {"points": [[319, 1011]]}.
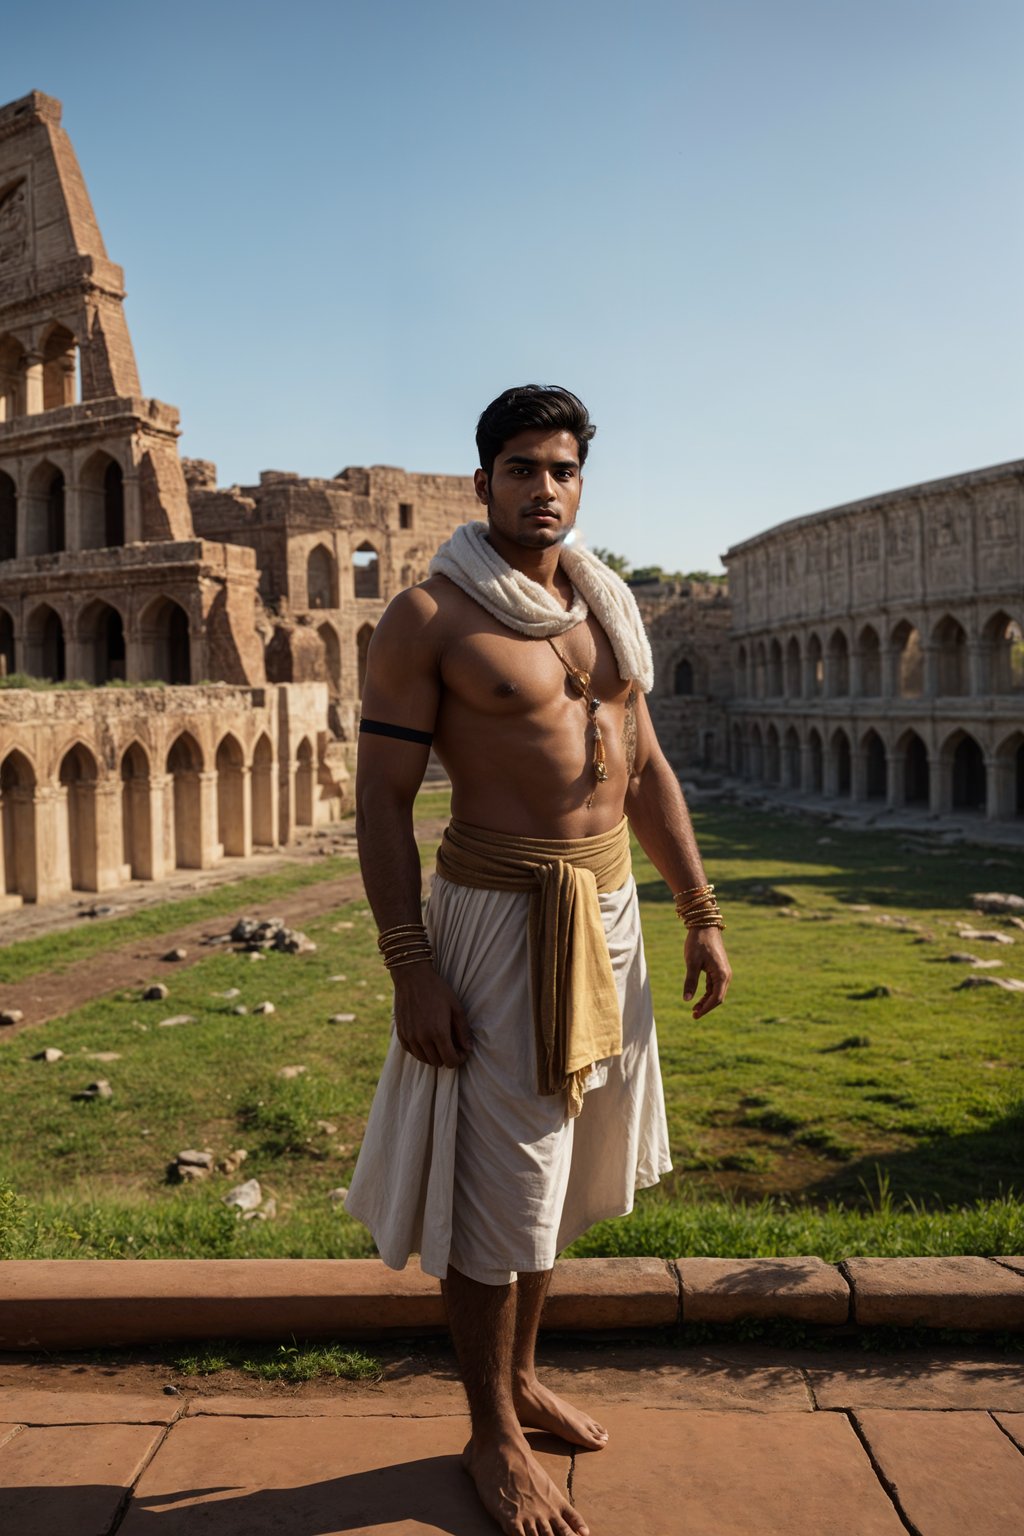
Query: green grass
{"points": [[285, 1362], [801, 1119]]}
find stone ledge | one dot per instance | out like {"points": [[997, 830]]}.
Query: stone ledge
{"points": [[723, 1290], [107, 1303], [958, 1292]]}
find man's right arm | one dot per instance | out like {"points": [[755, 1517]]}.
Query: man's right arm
{"points": [[403, 688]]}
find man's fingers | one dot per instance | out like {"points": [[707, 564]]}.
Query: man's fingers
{"points": [[714, 993], [461, 1032], [692, 978]]}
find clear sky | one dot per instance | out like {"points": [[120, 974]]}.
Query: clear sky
{"points": [[776, 245]]}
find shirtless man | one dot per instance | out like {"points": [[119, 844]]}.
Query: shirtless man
{"points": [[517, 741]]}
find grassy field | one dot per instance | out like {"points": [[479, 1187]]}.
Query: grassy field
{"points": [[805, 1116]]}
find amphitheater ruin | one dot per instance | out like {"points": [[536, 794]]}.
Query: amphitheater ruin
{"points": [[209, 643]]}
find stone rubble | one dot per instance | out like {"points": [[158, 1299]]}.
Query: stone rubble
{"points": [[51, 1053], [176, 954], [997, 902], [1007, 983], [982, 935], [176, 1018], [100, 1089], [157, 993], [247, 1196], [265, 1008], [11, 1016]]}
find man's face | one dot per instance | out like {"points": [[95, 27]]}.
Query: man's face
{"points": [[533, 492]]}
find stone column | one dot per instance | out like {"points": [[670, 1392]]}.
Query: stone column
{"points": [[208, 840], [132, 508], [854, 668], [858, 774], [68, 379], [245, 786], [72, 514], [997, 783], [52, 864], [940, 785], [893, 780], [160, 786], [930, 669], [108, 835], [33, 383], [977, 659]]}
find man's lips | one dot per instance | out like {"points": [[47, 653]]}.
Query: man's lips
{"points": [[541, 515]]}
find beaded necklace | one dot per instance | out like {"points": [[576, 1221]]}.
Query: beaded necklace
{"points": [[580, 682]]}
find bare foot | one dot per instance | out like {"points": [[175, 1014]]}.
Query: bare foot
{"points": [[537, 1408], [516, 1491]]}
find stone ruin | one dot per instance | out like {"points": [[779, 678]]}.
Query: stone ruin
{"points": [[218, 637]]}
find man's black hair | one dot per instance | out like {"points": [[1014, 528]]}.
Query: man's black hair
{"points": [[526, 408]]}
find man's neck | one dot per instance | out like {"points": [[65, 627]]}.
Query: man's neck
{"points": [[540, 565]]}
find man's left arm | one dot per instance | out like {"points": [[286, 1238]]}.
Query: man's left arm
{"points": [[658, 815]]}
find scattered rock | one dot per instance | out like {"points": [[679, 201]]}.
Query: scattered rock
{"points": [[254, 1215], [327, 1127], [872, 992], [233, 1161], [170, 1391], [176, 1018], [190, 1167], [265, 1008], [997, 902], [291, 941], [289, 1072], [96, 911], [982, 936], [239, 1008], [1007, 983], [102, 1055], [858, 906], [156, 993], [337, 1196], [337, 978], [176, 954], [962, 957], [342, 1018], [11, 1016], [196, 1159], [229, 994], [255, 954], [1016, 922], [245, 1196], [268, 1210], [100, 1089]]}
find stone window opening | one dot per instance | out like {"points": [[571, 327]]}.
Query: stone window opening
{"points": [[405, 514], [60, 369], [166, 643], [838, 665], [760, 670], [794, 669], [12, 378], [8, 518], [46, 531], [78, 775], [756, 755], [332, 657], [263, 793], [305, 770], [44, 645], [136, 821], [908, 659], [18, 826], [365, 571], [791, 759], [183, 808], [952, 678], [916, 771], [683, 678], [970, 779], [772, 757], [815, 668], [775, 670], [1004, 651], [870, 662], [842, 764], [742, 682], [101, 502], [6, 644], [101, 634], [230, 763], [816, 757], [321, 578], [876, 776]]}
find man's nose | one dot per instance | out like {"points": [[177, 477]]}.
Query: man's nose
{"points": [[545, 488]]}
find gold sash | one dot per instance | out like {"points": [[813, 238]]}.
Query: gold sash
{"points": [[576, 1016]]}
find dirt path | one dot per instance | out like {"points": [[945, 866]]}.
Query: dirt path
{"points": [[139, 962]]}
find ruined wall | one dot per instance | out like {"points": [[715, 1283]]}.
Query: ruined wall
{"points": [[688, 626]]}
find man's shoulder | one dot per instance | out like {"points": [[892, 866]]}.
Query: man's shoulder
{"points": [[433, 607]]}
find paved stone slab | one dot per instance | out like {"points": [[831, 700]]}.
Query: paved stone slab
{"points": [[910, 1381], [959, 1292], [950, 1472], [722, 1290], [612, 1293], [262, 1477], [73, 1478], [38, 1407], [669, 1472], [1013, 1423], [8, 1431]]}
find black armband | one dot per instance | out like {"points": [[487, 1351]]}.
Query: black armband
{"points": [[399, 732]]}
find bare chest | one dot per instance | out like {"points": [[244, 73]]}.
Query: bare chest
{"points": [[496, 672]]}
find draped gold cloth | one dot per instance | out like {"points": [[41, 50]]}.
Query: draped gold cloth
{"points": [[576, 1018]]}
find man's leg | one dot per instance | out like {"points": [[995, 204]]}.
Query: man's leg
{"points": [[537, 1407], [512, 1485]]}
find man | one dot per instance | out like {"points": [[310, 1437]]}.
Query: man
{"points": [[521, 1099]]}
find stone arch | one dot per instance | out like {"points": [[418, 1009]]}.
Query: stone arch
{"points": [[1003, 650], [184, 828], [305, 783], [136, 816], [968, 774], [45, 504], [772, 756], [815, 761], [682, 677], [842, 763], [365, 570], [838, 665], [101, 638], [760, 670], [1008, 786], [815, 667], [363, 639], [165, 641], [791, 759], [952, 678], [876, 773], [914, 769], [870, 648], [756, 754], [742, 681], [44, 644], [794, 669], [907, 661], [775, 669], [18, 827], [231, 817], [8, 517], [101, 502], [60, 366], [263, 793], [332, 652], [12, 378], [79, 856], [6, 643], [321, 578]]}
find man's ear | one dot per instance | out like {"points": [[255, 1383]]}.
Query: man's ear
{"points": [[480, 485]]}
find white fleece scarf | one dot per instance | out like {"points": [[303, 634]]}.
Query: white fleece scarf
{"points": [[473, 564]]}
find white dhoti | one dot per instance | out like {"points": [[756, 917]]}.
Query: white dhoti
{"points": [[471, 1166]]}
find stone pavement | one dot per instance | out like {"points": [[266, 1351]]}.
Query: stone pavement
{"points": [[716, 1440]]}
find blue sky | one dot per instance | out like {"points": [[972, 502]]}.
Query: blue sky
{"points": [[777, 247]]}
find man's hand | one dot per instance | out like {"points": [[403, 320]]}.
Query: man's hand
{"points": [[705, 951], [429, 1019]]}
